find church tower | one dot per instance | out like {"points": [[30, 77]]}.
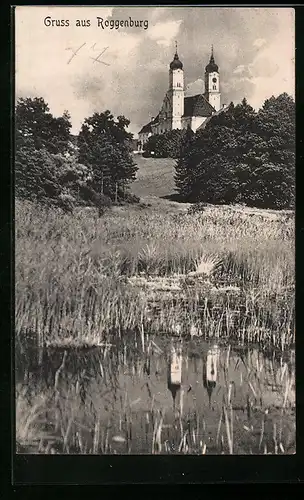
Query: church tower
{"points": [[212, 83], [176, 92]]}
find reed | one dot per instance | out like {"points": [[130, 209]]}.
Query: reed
{"points": [[226, 274], [72, 274], [56, 418]]}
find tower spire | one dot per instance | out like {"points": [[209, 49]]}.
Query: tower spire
{"points": [[211, 66], [176, 63], [212, 55]]}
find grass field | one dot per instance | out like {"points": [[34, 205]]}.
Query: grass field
{"points": [[80, 276], [155, 177], [145, 272]]}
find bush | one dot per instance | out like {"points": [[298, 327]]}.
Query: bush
{"points": [[103, 203], [147, 154], [131, 198], [66, 202], [242, 156], [48, 169], [197, 208], [167, 145]]}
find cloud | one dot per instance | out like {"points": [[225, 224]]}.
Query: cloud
{"points": [[254, 48], [259, 42], [240, 69], [196, 87], [264, 67], [164, 33], [272, 70]]}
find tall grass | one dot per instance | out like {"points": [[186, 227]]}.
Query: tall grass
{"points": [[72, 273], [68, 412]]}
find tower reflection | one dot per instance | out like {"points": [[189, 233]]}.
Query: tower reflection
{"points": [[210, 368], [175, 371]]}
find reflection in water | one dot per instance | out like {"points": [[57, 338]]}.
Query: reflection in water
{"points": [[175, 371], [210, 370], [118, 399]]}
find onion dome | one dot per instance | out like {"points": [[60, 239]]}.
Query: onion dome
{"points": [[176, 63], [211, 66]]}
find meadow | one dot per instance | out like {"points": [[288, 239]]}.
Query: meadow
{"points": [[154, 178], [80, 277], [133, 280]]}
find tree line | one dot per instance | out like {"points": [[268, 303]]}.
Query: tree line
{"points": [[241, 156], [53, 166], [166, 145]]}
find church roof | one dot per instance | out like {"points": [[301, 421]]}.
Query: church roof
{"points": [[197, 105], [222, 110], [146, 129]]}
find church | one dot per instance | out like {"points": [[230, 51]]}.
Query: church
{"points": [[178, 111]]}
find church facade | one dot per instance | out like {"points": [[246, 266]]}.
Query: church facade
{"points": [[178, 111]]}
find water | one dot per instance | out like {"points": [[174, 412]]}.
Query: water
{"points": [[155, 396]]}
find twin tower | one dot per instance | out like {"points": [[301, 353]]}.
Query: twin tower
{"points": [[180, 112], [176, 88]]}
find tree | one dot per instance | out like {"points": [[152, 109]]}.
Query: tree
{"points": [[156, 146], [271, 173], [104, 146], [166, 145], [183, 167], [242, 156], [35, 174], [206, 164], [44, 172], [34, 120], [173, 142]]}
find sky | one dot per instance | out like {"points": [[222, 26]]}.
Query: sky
{"points": [[253, 47]]}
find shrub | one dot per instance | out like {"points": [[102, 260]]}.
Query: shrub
{"points": [[242, 156]]}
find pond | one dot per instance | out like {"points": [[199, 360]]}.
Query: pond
{"points": [[155, 396]]}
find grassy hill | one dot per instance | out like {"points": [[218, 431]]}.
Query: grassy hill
{"points": [[155, 177]]}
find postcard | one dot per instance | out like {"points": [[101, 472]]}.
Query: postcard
{"points": [[154, 230]]}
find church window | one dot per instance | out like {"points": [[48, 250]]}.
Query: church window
{"points": [[214, 87]]}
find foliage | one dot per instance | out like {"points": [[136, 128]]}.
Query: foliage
{"points": [[34, 121], [131, 198], [242, 156], [48, 178], [184, 172], [47, 158], [35, 173], [45, 169], [104, 146], [197, 208], [167, 145]]}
